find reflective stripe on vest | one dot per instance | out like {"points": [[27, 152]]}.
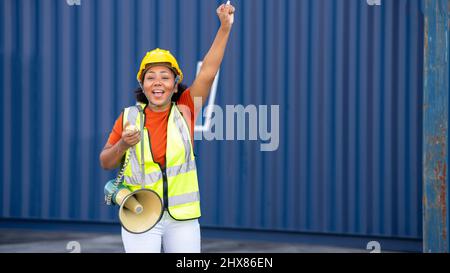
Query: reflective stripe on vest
{"points": [[151, 178], [177, 118], [184, 198], [181, 170]]}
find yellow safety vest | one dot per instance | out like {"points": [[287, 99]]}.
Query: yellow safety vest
{"points": [[177, 184]]}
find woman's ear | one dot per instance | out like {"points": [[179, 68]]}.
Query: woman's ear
{"points": [[177, 79]]}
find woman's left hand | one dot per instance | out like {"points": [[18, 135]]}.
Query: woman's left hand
{"points": [[226, 15]]}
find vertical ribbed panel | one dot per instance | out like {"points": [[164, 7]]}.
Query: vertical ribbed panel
{"points": [[347, 77]]}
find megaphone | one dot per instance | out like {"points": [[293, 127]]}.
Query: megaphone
{"points": [[139, 211]]}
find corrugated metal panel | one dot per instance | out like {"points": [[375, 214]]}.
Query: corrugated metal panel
{"points": [[347, 77]]}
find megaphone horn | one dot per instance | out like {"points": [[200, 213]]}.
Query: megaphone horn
{"points": [[139, 211]]}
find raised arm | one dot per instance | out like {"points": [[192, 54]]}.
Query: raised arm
{"points": [[211, 63]]}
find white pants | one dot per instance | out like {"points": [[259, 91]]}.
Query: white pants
{"points": [[175, 236]]}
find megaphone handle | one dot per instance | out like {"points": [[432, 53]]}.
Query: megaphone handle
{"points": [[118, 180]]}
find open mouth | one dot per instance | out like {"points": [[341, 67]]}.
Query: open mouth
{"points": [[158, 93]]}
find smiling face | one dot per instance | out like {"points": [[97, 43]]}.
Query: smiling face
{"points": [[159, 86]]}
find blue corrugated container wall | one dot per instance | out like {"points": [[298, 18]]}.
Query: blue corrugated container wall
{"points": [[347, 77]]}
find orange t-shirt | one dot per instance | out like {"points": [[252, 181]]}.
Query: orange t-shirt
{"points": [[156, 124]]}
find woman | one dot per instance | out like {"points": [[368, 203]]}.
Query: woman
{"points": [[169, 117]]}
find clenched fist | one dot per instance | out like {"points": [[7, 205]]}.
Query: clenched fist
{"points": [[226, 15], [130, 135]]}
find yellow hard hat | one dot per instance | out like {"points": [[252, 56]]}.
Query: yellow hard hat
{"points": [[160, 56]]}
